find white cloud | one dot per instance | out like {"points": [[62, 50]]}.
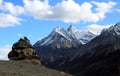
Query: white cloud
{"points": [[8, 20], [9, 15], [0, 2], [68, 10], [36, 8], [96, 29], [4, 52], [103, 8], [12, 9]]}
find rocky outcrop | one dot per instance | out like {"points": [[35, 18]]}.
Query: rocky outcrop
{"points": [[22, 50]]}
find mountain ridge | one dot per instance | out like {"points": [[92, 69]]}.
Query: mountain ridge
{"points": [[99, 57], [90, 58], [64, 41]]}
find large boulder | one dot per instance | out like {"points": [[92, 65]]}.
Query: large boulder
{"points": [[22, 50]]}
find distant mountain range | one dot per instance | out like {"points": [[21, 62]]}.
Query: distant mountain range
{"points": [[82, 53], [61, 40]]}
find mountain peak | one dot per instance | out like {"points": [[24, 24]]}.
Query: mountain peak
{"points": [[118, 24], [114, 30], [71, 29], [71, 26], [57, 29]]}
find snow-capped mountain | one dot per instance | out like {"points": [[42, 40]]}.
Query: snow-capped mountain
{"points": [[71, 34], [108, 36], [59, 44], [114, 29], [84, 36], [99, 57], [58, 37], [72, 30], [82, 53]]}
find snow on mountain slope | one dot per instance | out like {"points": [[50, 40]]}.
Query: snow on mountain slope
{"points": [[72, 29], [54, 46], [115, 30], [86, 36], [72, 34], [101, 52], [62, 32], [83, 36], [58, 36], [51, 38], [61, 44]]}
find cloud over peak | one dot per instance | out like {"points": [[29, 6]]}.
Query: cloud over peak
{"points": [[96, 29]]}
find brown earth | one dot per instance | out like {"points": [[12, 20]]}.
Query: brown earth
{"points": [[27, 68]]}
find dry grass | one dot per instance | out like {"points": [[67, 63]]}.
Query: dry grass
{"points": [[27, 68]]}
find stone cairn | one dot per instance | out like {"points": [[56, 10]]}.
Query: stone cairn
{"points": [[22, 50]]}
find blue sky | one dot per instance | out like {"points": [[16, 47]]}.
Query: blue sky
{"points": [[37, 18]]}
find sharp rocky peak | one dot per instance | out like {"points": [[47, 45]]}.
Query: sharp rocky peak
{"points": [[117, 27], [58, 31], [72, 29], [84, 36], [118, 24]]}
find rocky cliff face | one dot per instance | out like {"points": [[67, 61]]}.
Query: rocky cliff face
{"points": [[22, 50]]}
